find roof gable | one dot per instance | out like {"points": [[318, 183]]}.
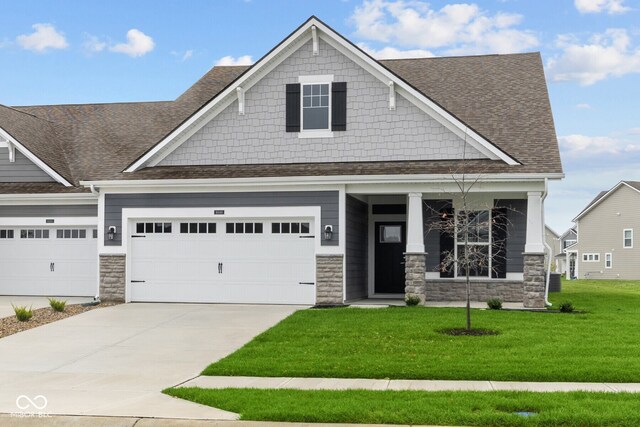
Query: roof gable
{"points": [[38, 140], [308, 31], [603, 195]]}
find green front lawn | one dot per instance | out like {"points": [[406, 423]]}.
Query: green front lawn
{"points": [[418, 407], [400, 342]]}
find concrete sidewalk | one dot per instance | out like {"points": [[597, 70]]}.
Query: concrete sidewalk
{"points": [[76, 421], [423, 385]]}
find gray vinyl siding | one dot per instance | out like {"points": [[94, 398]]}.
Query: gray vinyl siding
{"points": [[373, 132], [327, 200], [516, 233], [430, 209], [53, 211], [22, 170], [357, 244]]}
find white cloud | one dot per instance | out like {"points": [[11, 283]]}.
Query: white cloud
{"points": [[597, 6], [230, 60], [605, 55], [138, 44], [44, 37], [93, 44], [456, 28], [594, 146], [187, 54], [393, 53], [583, 106]]}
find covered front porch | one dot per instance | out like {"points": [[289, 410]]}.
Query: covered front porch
{"points": [[392, 248]]}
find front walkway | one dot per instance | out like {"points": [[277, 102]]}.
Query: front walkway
{"points": [[422, 385]]}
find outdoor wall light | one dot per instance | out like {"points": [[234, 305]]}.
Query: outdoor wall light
{"points": [[328, 232], [111, 234]]}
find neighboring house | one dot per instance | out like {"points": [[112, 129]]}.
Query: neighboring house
{"points": [[606, 246], [310, 177], [552, 240], [566, 264]]}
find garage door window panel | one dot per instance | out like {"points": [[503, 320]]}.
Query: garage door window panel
{"points": [[34, 234], [153, 227], [6, 234]]}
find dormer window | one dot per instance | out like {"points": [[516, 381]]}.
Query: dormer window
{"points": [[316, 106]]}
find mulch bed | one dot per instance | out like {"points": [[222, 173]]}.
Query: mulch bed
{"points": [[472, 332], [41, 316]]}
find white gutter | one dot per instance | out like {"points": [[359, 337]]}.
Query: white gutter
{"points": [[546, 245], [324, 180]]}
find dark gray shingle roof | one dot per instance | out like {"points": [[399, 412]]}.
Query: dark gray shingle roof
{"points": [[502, 97]]}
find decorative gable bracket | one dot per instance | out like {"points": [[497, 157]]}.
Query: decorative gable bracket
{"points": [[240, 92], [10, 147], [392, 96]]}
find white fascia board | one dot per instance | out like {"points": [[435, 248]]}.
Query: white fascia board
{"points": [[315, 180], [601, 199], [427, 105], [29, 155], [52, 199], [246, 81]]}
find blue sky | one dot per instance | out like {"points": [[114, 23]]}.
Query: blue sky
{"points": [[95, 51]]}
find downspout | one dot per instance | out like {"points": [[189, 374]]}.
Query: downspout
{"points": [[547, 247], [94, 190]]}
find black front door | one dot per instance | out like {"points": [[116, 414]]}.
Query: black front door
{"points": [[389, 257]]}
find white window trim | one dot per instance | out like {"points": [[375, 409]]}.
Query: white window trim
{"points": [[596, 257], [624, 232], [315, 80], [608, 259]]}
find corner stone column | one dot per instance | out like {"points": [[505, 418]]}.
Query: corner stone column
{"points": [[414, 275], [534, 280], [329, 279], [112, 277]]}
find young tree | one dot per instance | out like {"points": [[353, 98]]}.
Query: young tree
{"points": [[478, 237]]}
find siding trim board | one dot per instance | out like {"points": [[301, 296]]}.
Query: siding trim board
{"points": [[53, 211], [327, 200]]}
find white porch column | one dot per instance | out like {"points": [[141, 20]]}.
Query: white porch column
{"points": [[415, 225], [535, 233]]}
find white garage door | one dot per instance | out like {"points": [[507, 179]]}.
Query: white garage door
{"points": [[240, 261], [48, 261]]}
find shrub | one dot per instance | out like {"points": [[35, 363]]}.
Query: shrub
{"points": [[412, 300], [22, 313], [57, 305], [494, 304], [566, 307]]}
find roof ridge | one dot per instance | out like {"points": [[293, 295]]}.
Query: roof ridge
{"points": [[87, 104], [23, 112], [461, 56]]}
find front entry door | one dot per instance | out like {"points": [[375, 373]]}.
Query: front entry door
{"points": [[389, 257]]}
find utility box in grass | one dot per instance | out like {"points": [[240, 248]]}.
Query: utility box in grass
{"points": [[555, 282]]}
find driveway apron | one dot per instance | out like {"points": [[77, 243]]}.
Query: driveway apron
{"points": [[115, 361]]}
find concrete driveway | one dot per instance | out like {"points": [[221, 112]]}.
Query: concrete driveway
{"points": [[114, 361]]}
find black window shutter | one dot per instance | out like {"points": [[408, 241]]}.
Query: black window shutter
{"points": [[447, 244], [339, 106], [499, 243], [293, 107]]}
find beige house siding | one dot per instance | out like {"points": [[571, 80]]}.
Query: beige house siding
{"points": [[551, 239], [600, 231]]}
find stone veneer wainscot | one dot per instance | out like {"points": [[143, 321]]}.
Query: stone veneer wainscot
{"points": [[329, 279], [112, 277]]}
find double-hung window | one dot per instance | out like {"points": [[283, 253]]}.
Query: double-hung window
{"points": [[316, 106], [474, 230], [627, 238]]}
